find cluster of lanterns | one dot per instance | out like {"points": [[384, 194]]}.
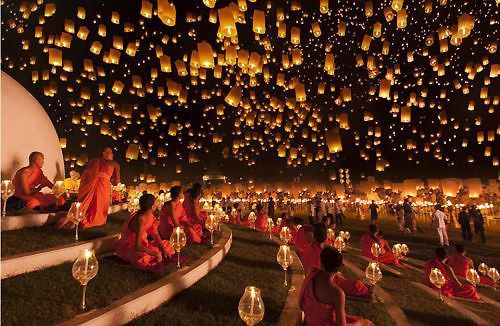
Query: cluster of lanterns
{"points": [[289, 88]]}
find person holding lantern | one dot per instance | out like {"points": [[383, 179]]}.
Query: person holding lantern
{"points": [[29, 180], [134, 245], [172, 214], [311, 259], [461, 264], [95, 190], [191, 205], [321, 299], [367, 240], [452, 287]]}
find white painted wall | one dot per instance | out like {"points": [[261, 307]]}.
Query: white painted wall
{"points": [[26, 127]]}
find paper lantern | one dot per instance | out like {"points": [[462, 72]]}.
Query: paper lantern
{"points": [[167, 12], [147, 9], [333, 140], [96, 47], [55, 57], [397, 5], [50, 9], [83, 33], [406, 114], [377, 29], [385, 89], [323, 6], [80, 12], [368, 8], [300, 92], [365, 44], [234, 96], [205, 54], [259, 22], [401, 18], [117, 87], [316, 29], [226, 22], [132, 152], [295, 35], [465, 25]]}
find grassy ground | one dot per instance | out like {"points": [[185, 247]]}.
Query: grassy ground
{"points": [[52, 295], [214, 299], [38, 238]]}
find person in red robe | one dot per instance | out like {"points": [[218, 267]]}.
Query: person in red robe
{"points": [[461, 264], [303, 239], [311, 259], [191, 205], [323, 301], [95, 190], [134, 245], [172, 214], [28, 182], [452, 287], [386, 256], [261, 218]]}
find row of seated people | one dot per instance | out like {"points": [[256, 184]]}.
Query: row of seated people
{"points": [[144, 241]]}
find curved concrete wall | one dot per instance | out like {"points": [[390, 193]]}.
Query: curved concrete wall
{"points": [[26, 127]]}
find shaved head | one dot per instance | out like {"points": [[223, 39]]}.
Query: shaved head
{"points": [[107, 153]]}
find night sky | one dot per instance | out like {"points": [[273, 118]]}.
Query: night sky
{"points": [[441, 115]]}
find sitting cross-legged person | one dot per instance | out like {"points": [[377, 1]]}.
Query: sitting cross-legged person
{"points": [[461, 264], [321, 299], [386, 256], [28, 182], [172, 214], [311, 259], [452, 287], [191, 205], [134, 245]]}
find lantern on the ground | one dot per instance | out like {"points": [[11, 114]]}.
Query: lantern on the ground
{"points": [[7, 192], [76, 214], [178, 241], [251, 306], [211, 225], [373, 273], [84, 269], [285, 259], [285, 234], [438, 280], [472, 276]]}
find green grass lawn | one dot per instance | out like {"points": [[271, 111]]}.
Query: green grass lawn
{"points": [[38, 238], [214, 299], [52, 295]]}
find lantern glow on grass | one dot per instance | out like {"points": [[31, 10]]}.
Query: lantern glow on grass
{"points": [[84, 269], [178, 241], [285, 259], [251, 306], [76, 214], [7, 192]]}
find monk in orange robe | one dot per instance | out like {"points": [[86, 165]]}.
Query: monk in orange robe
{"points": [[95, 190], [386, 256], [261, 219], [452, 287], [28, 182], [303, 239], [172, 214], [461, 264], [134, 245], [311, 259], [191, 205], [323, 301]]}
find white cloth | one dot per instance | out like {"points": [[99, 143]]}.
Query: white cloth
{"points": [[440, 219], [443, 236]]}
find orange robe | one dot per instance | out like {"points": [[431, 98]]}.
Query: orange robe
{"points": [[317, 313], [125, 247], [450, 288], [311, 259], [260, 222], [301, 241], [193, 211], [43, 201], [385, 257], [194, 231], [95, 192], [461, 265]]}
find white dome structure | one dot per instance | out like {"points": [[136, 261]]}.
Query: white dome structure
{"points": [[26, 127]]}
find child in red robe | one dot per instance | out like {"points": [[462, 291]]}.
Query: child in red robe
{"points": [[386, 256], [303, 238], [261, 219], [452, 287], [134, 246], [461, 264], [323, 301], [172, 214], [311, 259]]}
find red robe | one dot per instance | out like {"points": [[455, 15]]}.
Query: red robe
{"points": [[260, 222], [95, 192], [194, 231], [301, 241], [450, 288], [385, 257], [125, 247], [43, 201], [461, 265], [317, 313], [311, 260]]}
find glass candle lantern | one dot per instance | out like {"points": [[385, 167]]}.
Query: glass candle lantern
{"points": [[251, 306], [285, 259], [178, 241], [84, 269]]}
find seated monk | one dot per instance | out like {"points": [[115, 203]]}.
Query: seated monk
{"points": [[311, 259], [261, 218], [321, 299], [95, 190], [134, 245], [452, 287], [386, 256], [461, 264], [191, 205], [172, 214], [73, 182], [28, 182]]}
